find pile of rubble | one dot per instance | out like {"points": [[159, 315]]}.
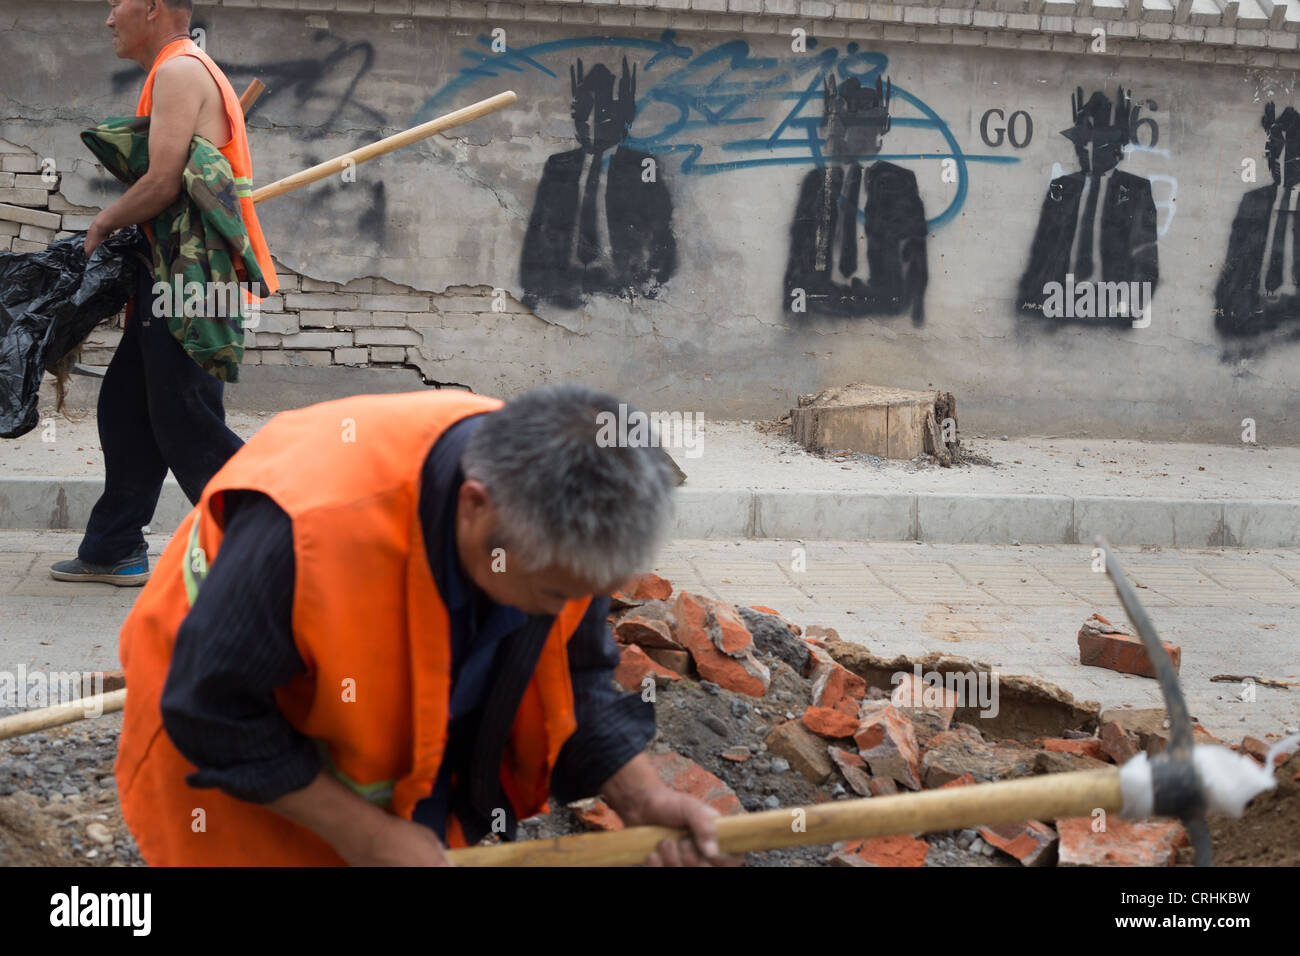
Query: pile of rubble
{"points": [[754, 713]]}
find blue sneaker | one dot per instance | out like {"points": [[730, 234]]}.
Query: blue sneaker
{"points": [[131, 572]]}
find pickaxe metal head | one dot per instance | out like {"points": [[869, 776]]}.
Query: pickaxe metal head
{"points": [[1179, 790]]}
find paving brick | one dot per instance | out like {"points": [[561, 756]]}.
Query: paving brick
{"points": [[887, 742], [634, 666], [645, 587], [885, 851], [854, 769], [1090, 747], [829, 723], [1120, 652], [1032, 843], [645, 631], [596, 814], [1122, 843], [719, 643], [805, 751], [686, 776]]}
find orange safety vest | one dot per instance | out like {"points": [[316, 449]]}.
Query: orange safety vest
{"points": [[367, 620], [236, 151]]}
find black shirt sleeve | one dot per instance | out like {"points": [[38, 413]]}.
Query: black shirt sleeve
{"points": [[613, 727], [233, 649]]}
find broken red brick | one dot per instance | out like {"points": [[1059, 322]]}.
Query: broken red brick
{"points": [[1256, 748], [720, 644], [644, 587], [826, 722], [686, 776], [1032, 843], [887, 742], [646, 631], [804, 751], [1117, 743], [882, 787], [597, 814], [854, 769], [965, 780], [720, 623], [1120, 652], [102, 682], [679, 662], [634, 666], [819, 633], [913, 692], [838, 688], [962, 750], [1122, 843], [888, 851], [1091, 747]]}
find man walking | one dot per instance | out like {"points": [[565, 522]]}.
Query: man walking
{"points": [[158, 408]]}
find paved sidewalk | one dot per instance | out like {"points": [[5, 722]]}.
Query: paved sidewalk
{"points": [[1019, 609], [747, 481]]}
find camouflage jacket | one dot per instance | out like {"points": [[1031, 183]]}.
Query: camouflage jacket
{"points": [[200, 238]]}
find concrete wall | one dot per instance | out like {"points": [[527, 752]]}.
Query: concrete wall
{"points": [[424, 260]]}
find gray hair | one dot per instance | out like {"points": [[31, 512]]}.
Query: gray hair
{"points": [[562, 497]]}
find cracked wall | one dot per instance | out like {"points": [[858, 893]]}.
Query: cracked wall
{"points": [[461, 257]]}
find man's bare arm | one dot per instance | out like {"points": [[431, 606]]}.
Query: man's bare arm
{"points": [[178, 94], [359, 831]]}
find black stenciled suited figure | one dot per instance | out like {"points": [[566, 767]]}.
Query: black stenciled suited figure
{"points": [[1257, 288], [857, 245], [1098, 224], [602, 220]]}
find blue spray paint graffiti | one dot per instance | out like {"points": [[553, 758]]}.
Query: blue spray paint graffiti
{"points": [[727, 86]]}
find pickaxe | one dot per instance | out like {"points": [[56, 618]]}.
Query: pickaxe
{"points": [[1185, 781]]}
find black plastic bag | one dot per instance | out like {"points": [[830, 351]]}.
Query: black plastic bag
{"points": [[49, 302]]}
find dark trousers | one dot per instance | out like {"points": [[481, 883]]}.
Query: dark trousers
{"points": [[157, 410]]}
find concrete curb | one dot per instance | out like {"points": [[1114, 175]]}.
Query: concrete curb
{"points": [[41, 503]]}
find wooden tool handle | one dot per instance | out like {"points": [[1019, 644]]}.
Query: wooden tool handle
{"points": [[33, 720], [255, 89], [1046, 797], [334, 166]]}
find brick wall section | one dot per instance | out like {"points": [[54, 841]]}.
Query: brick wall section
{"points": [[368, 321], [32, 211], [1205, 31]]}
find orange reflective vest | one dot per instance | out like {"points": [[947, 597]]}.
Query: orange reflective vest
{"points": [[367, 620], [236, 151]]}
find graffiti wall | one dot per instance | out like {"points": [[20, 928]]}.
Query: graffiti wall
{"points": [[1071, 243]]}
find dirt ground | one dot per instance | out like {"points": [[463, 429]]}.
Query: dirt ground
{"points": [[58, 802], [1269, 832]]}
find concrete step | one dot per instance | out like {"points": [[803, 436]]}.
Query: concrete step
{"points": [[36, 502]]}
